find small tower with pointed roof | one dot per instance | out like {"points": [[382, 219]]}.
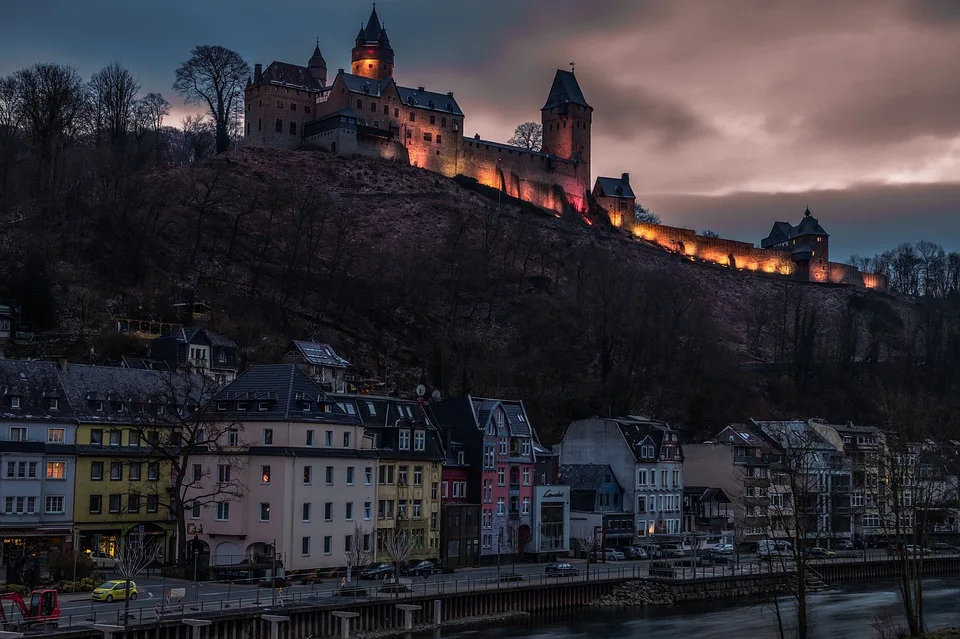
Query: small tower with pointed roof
{"points": [[566, 118], [317, 66], [373, 55]]}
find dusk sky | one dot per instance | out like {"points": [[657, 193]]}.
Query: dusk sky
{"points": [[728, 114]]}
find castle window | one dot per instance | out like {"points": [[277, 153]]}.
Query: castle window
{"points": [[293, 128], [396, 113], [293, 106], [428, 137], [279, 125], [409, 134], [359, 105], [373, 107], [306, 108], [386, 110], [413, 116], [279, 104], [456, 125], [259, 124], [439, 141], [433, 119]]}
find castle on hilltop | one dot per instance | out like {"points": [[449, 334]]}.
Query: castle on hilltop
{"points": [[366, 112]]}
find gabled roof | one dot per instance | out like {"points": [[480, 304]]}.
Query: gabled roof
{"points": [[290, 75], [286, 391], [565, 89], [319, 354], [188, 335], [364, 86], [614, 187], [586, 476], [706, 494], [443, 102], [516, 421], [34, 384], [85, 385], [784, 231]]}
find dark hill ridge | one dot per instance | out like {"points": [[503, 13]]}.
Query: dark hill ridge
{"points": [[415, 277]]}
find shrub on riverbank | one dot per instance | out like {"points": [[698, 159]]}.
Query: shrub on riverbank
{"points": [[946, 633]]}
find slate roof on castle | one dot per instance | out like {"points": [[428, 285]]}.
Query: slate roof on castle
{"points": [[784, 231], [615, 187], [565, 90]]}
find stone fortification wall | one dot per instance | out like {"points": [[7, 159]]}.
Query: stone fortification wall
{"points": [[532, 177], [741, 255], [846, 274]]}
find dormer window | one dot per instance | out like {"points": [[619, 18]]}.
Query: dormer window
{"points": [[404, 443], [419, 440], [305, 407], [241, 406], [461, 458], [263, 406], [14, 401], [222, 357], [98, 406], [221, 406]]}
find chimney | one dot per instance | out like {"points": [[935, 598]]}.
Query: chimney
{"points": [[257, 73], [450, 93], [63, 364], [625, 179], [421, 89], [339, 71]]}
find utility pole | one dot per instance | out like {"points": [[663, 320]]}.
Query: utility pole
{"points": [[273, 578], [76, 539]]}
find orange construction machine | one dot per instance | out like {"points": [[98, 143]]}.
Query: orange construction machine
{"points": [[44, 609]]}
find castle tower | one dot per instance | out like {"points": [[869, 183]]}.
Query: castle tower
{"points": [[317, 66], [566, 119], [373, 55]]}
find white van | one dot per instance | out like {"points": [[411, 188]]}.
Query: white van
{"points": [[767, 548]]}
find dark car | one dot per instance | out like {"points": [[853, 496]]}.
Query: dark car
{"points": [[379, 571], [423, 569], [944, 548], [717, 558], [272, 582], [561, 570], [820, 553]]}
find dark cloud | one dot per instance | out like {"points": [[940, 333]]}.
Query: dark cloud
{"points": [[936, 12]]}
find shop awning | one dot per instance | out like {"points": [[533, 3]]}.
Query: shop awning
{"points": [[7, 533]]}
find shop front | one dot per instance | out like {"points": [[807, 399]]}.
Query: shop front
{"points": [[25, 549], [105, 541], [551, 522]]}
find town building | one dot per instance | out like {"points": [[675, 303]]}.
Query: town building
{"points": [[121, 485], [409, 457], [706, 511], [308, 467], [320, 362], [367, 112], [597, 503], [197, 349], [37, 462], [499, 444], [459, 518], [647, 454]]}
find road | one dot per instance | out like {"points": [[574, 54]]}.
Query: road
{"points": [[205, 597]]}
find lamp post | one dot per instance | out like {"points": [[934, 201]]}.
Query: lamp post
{"points": [[76, 537], [196, 576], [273, 577]]}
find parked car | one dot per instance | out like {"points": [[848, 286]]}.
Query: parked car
{"points": [[845, 544], [635, 552], [561, 570], [723, 549], [423, 569], [944, 548], [379, 571], [895, 549], [277, 581], [717, 558], [609, 554], [820, 553], [115, 590], [102, 561]]}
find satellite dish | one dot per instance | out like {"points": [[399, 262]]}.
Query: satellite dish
{"points": [[421, 390], [435, 395]]}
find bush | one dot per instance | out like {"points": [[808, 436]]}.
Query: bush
{"points": [[85, 585], [61, 565], [447, 570], [15, 588]]}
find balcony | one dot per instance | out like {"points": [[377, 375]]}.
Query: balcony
{"points": [[746, 460], [196, 362]]}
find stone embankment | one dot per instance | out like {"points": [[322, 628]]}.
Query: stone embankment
{"points": [[652, 592], [455, 624]]}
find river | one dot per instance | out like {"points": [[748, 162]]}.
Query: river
{"points": [[842, 613]]}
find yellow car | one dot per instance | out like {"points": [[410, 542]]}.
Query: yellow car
{"points": [[115, 590]]}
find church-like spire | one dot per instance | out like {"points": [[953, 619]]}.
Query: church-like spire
{"points": [[373, 27]]}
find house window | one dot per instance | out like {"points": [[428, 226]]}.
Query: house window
{"points": [[114, 503], [367, 508], [444, 491], [418, 475], [525, 506], [152, 503], [501, 476], [18, 434], [264, 474], [327, 545], [413, 116], [279, 126], [293, 128], [359, 105], [417, 508], [328, 439], [641, 478], [328, 475], [367, 476], [396, 113], [305, 546], [264, 511], [500, 505], [309, 438], [197, 472], [96, 504], [98, 406], [96, 437], [348, 512], [526, 476], [305, 515], [195, 510], [404, 440], [241, 406], [32, 470], [153, 471], [267, 435], [223, 510], [223, 473], [233, 437], [133, 471], [133, 503], [56, 435], [402, 475], [641, 503], [116, 471], [14, 401], [307, 475], [419, 440], [53, 505], [328, 511], [96, 471], [56, 470], [350, 474], [114, 437]]}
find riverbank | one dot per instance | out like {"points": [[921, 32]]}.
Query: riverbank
{"points": [[458, 625]]}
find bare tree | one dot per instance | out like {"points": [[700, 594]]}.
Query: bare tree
{"points": [[399, 548], [157, 108], [359, 553], [113, 95], [197, 140], [214, 76], [586, 537], [709, 233], [644, 215], [528, 135], [134, 554], [200, 446]]}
